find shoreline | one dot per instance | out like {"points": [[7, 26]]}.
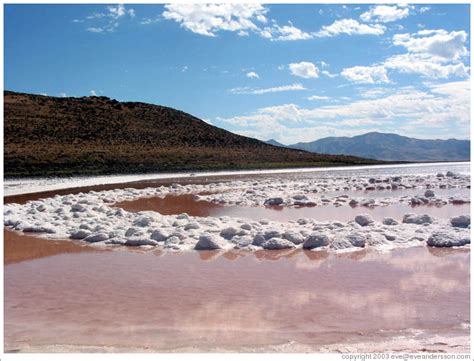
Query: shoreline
{"points": [[30, 185]]}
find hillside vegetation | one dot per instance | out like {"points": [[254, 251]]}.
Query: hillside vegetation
{"points": [[97, 135]]}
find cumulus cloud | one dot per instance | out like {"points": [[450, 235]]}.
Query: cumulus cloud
{"points": [[440, 107], [366, 74], [283, 88], [437, 54], [285, 33], [252, 75], [424, 65], [385, 13], [304, 69], [93, 93], [350, 27], [439, 43], [208, 19]]}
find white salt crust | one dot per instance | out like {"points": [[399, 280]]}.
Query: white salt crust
{"points": [[92, 217]]}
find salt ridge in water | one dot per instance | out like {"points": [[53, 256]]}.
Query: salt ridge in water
{"points": [[93, 218]]}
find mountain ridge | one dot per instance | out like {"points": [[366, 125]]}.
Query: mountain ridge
{"points": [[391, 147], [97, 135]]}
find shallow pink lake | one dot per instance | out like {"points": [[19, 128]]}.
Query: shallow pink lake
{"points": [[135, 300]]}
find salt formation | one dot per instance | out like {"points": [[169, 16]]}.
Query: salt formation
{"points": [[93, 218]]}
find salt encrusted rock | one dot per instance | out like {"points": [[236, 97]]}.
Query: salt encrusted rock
{"points": [[38, 229], [300, 197], [159, 235], [97, 237], [173, 241], [390, 237], [246, 226], [429, 193], [143, 222], [182, 216], [315, 240], [271, 234], [78, 208], [418, 200], [277, 243], [440, 175], [450, 174], [41, 208], [396, 179], [207, 242], [371, 180], [258, 240], [294, 237], [229, 232], [242, 241], [364, 219], [459, 200], [353, 202], [340, 243], [388, 221], [356, 239], [442, 239], [192, 225], [368, 202], [273, 201], [140, 241], [463, 221], [80, 234], [132, 231], [417, 218]]}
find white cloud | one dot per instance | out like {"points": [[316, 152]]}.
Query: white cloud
{"points": [[425, 65], [108, 21], [350, 27], [439, 43], [285, 33], [93, 93], [208, 19], [318, 97], [252, 75], [424, 9], [283, 88], [304, 69], [374, 92], [366, 74], [184, 69], [431, 53], [385, 13], [434, 54], [328, 74], [62, 95], [149, 21], [423, 113]]}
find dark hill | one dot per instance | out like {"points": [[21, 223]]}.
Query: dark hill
{"points": [[391, 147], [97, 135]]}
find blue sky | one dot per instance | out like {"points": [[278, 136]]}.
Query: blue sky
{"points": [[290, 72]]}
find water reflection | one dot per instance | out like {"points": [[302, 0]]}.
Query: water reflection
{"points": [[176, 204], [235, 300]]}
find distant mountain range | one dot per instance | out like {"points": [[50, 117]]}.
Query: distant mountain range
{"points": [[389, 147], [46, 135]]}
